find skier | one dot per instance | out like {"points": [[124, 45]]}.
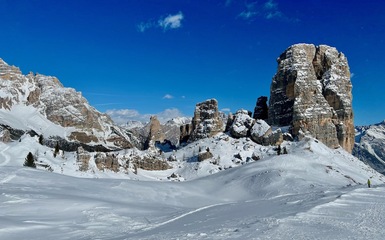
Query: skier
{"points": [[368, 183]]}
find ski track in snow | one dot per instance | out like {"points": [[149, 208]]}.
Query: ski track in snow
{"points": [[185, 214], [4, 158]]}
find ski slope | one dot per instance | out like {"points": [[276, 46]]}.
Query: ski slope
{"points": [[311, 193]]}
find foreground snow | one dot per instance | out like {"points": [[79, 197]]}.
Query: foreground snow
{"points": [[312, 193]]}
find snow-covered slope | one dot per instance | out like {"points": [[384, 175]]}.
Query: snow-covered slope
{"points": [[370, 145], [272, 198]]}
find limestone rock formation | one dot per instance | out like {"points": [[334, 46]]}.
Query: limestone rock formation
{"points": [[242, 124], [62, 106], [106, 161], [83, 159], [207, 120], [261, 109], [311, 93], [155, 133]]}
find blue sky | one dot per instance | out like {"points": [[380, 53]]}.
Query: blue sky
{"points": [[133, 58]]}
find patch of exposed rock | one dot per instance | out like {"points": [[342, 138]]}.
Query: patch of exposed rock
{"points": [[106, 161], [311, 93], [204, 155], [83, 159], [207, 120]]}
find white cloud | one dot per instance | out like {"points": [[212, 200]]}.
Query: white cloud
{"points": [[122, 116], [171, 21], [225, 110], [169, 114], [168, 96]]}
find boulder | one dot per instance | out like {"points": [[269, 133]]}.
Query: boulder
{"points": [[260, 130], [242, 124]]}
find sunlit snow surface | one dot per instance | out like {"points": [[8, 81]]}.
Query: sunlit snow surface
{"points": [[311, 193]]}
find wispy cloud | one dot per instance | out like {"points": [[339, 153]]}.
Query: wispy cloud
{"points": [[166, 23], [122, 116], [143, 26], [225, 110], [168, 96], [270, 5], [268, 10], [250, 12], [171, 21]]}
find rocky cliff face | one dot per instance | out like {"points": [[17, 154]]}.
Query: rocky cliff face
{"points": [[60, 105], [207, 120], [311, 92], [370, 146], [261, 111]]}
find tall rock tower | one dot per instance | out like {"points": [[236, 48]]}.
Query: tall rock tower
{"points": [[311, 93]]}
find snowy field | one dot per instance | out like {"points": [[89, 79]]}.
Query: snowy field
{"points": [[311, 193]]}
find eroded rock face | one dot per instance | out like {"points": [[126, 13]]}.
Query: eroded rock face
{"points": [[63, 106], [207, 120], [261, 109], [83, 159], [311, 92], [155, 133]]}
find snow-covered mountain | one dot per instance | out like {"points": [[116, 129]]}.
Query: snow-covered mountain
{"points": [[218, 184], [41, 103], [370, 145]]}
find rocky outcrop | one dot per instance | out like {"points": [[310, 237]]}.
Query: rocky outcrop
{"points": [[242, 124], [83, 159], [185, 132], [62, 106], [207, 120], [5, 136], [370, 146], [155, 134], [105, 161], [261, 111], [204, 155], [311, 93]]}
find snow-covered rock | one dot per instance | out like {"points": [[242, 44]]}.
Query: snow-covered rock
{"points": [[311, 92], [56, 105], [260, 130], [207, 120], [370, 145], [242, 124]]}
